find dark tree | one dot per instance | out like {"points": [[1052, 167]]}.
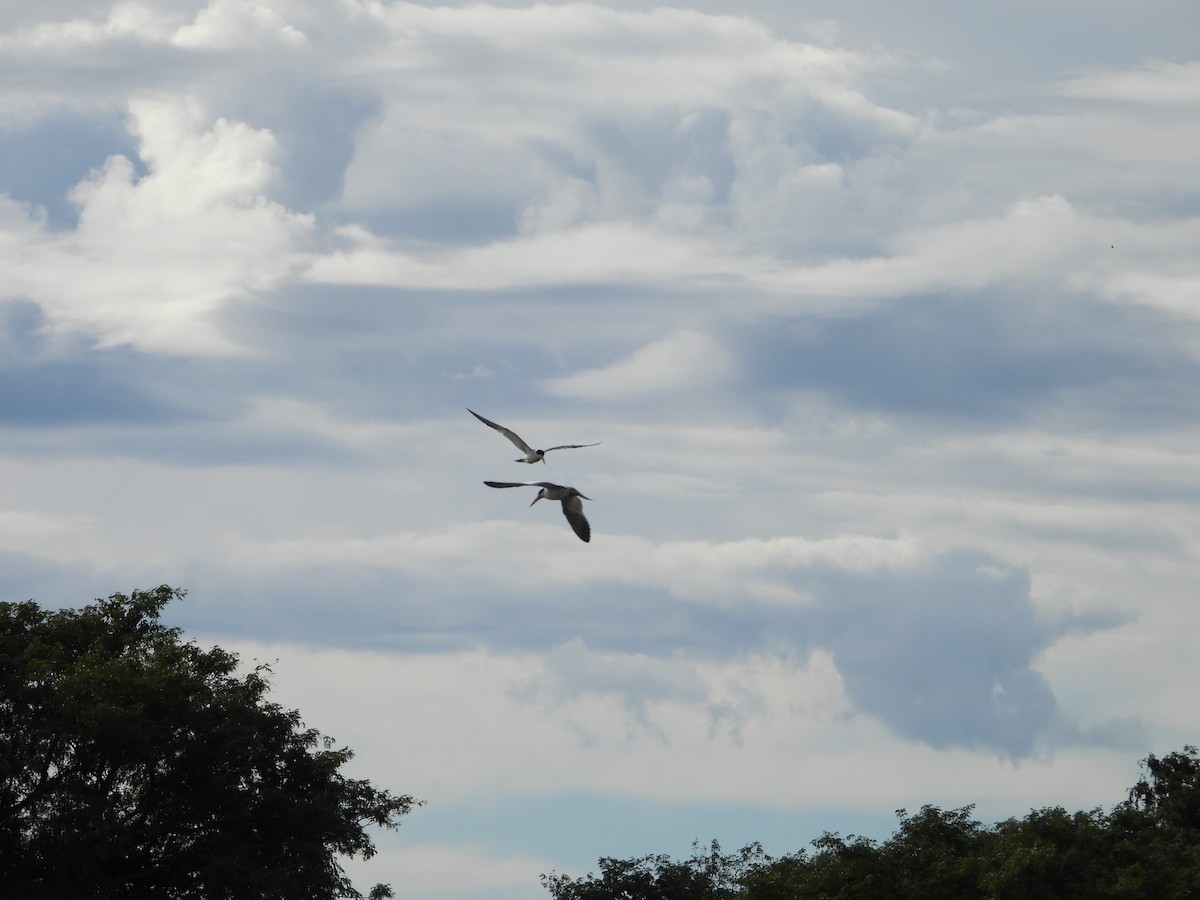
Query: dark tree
{"points": [[1155, 843], [1050, 855], [850, 866], [934, 854], [133, 764], [1172, 793], [706, 876], [1147, 848]]}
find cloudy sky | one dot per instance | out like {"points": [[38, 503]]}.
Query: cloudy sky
{"points": [[887, 317]]}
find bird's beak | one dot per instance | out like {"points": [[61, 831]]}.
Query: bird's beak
{"points": [[543, 457], [585, 496], [535, 500]]}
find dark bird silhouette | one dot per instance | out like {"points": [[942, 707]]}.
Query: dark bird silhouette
{"points": [[571, 506]]}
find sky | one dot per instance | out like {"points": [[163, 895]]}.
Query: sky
{"points": [[886, 317]]}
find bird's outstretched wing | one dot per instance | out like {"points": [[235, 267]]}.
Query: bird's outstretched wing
{"points": [[571, 446], [573, 510], [548, 485], [511, 435]]}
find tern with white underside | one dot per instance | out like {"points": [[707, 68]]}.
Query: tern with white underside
{"points": [[531, 455]]}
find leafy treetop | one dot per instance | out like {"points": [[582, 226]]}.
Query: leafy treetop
{"points": [[133, 764], [1145, 848]]}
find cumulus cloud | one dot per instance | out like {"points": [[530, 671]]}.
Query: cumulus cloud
{"points": [[155, 252], [637, 116], [229, 24]]}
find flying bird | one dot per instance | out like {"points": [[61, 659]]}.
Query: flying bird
{"points": [[531, 455], [571, 506]]}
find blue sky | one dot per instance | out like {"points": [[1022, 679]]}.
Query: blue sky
{"points": [[886, 316]]}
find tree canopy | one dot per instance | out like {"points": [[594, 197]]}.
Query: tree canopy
{"points": [[1145, 848], [707, 875], [133, 764]]}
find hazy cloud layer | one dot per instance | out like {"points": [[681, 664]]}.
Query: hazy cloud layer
{"points": [[889, 343]]}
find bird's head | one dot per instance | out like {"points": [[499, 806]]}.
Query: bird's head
{"points": [[541, 454]]}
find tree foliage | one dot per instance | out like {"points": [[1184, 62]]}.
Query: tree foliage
{"points": [[133, 764], [1147, 847], [708, 875]]}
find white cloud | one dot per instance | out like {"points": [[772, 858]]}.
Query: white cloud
{"points": [[685, 361], [608, 254], [1041, 240], [126, 21], [29, 530], [230, 24], [155, 254], [722, 573], [584, 106], [1156, 84], [664, 56], [552, 742], [1149, 264], [1033, 240], [442, 707], [218, 25]]}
